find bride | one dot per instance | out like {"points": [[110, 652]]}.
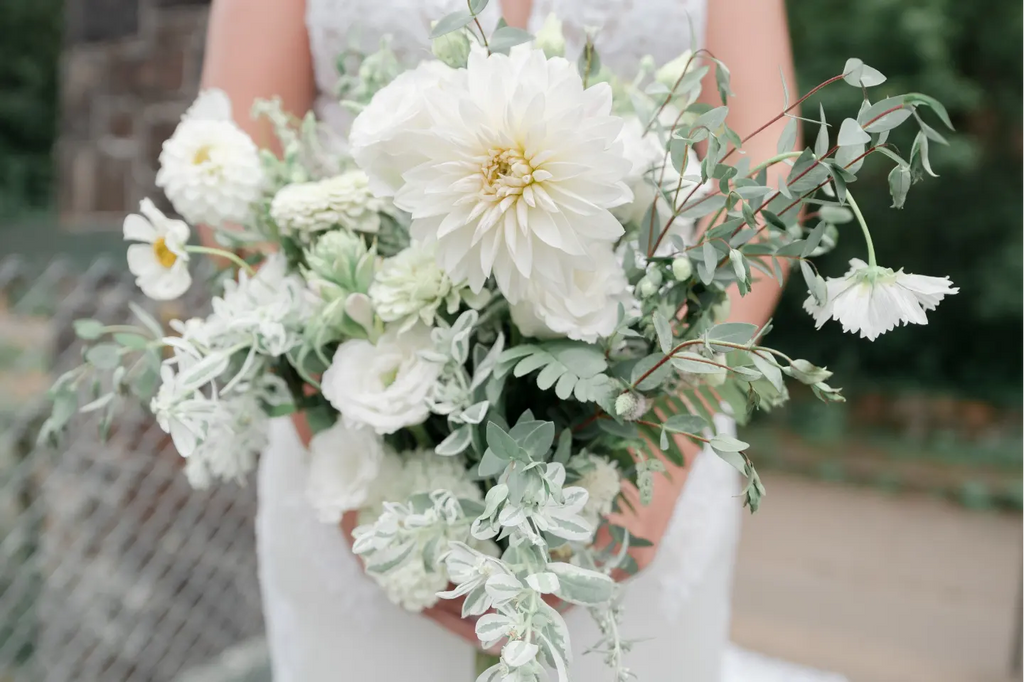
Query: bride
{"points": [[326, 621]]}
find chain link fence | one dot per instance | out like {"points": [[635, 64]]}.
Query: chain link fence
{"points": [[112, 569]]}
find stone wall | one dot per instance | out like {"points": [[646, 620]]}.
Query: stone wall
{"points": [[130, 69]]}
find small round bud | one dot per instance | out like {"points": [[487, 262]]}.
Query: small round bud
{"points": [[647, 288], [654, 274], [452, 49], [550, 39], [630, 406], [682, 269]]}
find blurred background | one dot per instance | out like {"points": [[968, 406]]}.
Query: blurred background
{"points": [[888, 549]]}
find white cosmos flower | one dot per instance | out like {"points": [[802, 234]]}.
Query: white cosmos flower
{"points": [[379, 141], [590, 310], [344, 462], [160, 264], [342, 201], [210, 169], [521, 168], [873, 300], [385, 386]]}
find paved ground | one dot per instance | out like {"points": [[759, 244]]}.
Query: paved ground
{"points": [[880, 588]]}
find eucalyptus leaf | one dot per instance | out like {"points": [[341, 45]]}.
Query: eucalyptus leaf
{"points": [[663, 330], [88, 330], [860, 74], [451, 22], [104, 356], [899, 185], [850, 133], [508, 37], [821, 141], [132, 341], [787, 140]]}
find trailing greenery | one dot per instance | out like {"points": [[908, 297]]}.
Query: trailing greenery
{"points": [[966, 223]]}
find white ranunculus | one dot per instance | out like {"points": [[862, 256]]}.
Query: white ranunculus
{"points": [[521, 168], [647, 155], [587, 313], [872, 300], [344, 462], [380, 139], [411, 287], [342, 201], [160, 263], [210, 169], [384, 385]]}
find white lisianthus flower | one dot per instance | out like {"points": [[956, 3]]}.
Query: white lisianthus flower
{"points": [[647, 155], [385, 386], [379, 140], [344, 462], [601, 479], [209, 169], [270, 307], [160, 264], [522, 166], [590, 311], [411, 287], [342, 201], [872, 300]]}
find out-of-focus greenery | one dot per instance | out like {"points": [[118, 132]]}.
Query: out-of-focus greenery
{"points": [[30, 42], [965, 223]]}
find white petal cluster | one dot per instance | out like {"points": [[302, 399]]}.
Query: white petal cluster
{"points": [[344, 465], [517, 169], [378, 139], [235, 436], [873, 300], [411, 287], [384, 385], [209, 169], [342, 201], [160, 262], [601, 479], [588, 312], [271, 307]]}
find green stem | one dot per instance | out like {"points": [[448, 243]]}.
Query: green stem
{"points": [[772, 161], [223, 254], [864, 228]]}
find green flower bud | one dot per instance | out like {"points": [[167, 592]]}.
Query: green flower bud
{"points": [[682, 269], [452, 48], [630, 406], [654, 274], [672, 71], [341, 257], [550, 39], [647, 287]]}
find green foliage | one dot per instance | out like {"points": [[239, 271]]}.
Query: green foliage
{"points": [[966, 223], [30, 42]]}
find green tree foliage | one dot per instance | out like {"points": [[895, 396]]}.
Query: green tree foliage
{"points": [[30, 42], [966, 223]]}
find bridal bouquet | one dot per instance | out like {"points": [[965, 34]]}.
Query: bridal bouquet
{"points": [[494, 308]]}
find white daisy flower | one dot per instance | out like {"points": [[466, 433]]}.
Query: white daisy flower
{"points": [[342, 201], [522, 166], [872, 300], [160, 264], [209, 169]]}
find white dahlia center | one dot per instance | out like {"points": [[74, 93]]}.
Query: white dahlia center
{"points": [[505, 173]]}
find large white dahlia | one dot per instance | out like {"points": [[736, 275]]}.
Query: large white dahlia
{"points": [[521, 167], [210, 169]]}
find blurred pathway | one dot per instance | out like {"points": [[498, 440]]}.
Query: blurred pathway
{"points": [[880, 588]]}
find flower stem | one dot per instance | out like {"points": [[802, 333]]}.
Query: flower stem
{"points": [[223, 253], [772, 161], [864, 228]]}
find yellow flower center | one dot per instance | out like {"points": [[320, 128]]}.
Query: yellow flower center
{"points": [[164, 255], [201, 156], [505, 172], [389, 377]]}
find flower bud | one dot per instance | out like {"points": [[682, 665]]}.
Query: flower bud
{"points": [[672, 71], [647, 287], [682, 269], [630, 406], [452, 48], [550, 39], [336, 257], [654, 274]]}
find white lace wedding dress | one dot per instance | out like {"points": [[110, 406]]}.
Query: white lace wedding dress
{"points": [[327, 622]]}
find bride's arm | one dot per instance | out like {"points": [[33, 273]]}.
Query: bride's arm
{"points": [[752, 39]]}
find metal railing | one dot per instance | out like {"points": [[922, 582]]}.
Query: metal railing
{"points": [[112, 569]]}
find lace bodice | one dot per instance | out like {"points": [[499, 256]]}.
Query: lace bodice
{"points": [[626, 31]]}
